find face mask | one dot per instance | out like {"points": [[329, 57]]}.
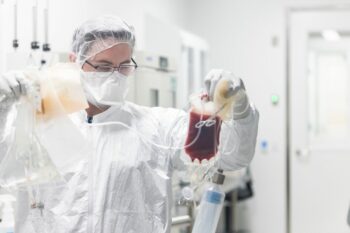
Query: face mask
{"points": [[103, 90]]}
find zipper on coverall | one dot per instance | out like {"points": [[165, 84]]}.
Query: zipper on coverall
{"points": [[90, 179]]}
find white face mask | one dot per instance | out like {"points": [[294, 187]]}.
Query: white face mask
{"points": [[102, 90]]}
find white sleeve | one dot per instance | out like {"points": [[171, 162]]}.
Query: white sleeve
{"points": [[238, 141]]}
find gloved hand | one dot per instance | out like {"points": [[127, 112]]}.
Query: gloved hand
{"points": [[236, 87], [12, 86]]}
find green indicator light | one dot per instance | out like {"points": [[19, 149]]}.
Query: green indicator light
{"points": [[275, 99]]}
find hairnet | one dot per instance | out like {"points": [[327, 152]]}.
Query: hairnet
{"points": [[99, 34]]}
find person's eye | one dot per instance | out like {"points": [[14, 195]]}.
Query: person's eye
{"points": [[125, 68], [104, 68]]}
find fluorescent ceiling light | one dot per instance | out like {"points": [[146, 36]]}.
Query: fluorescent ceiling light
{"points": [[330, 35]]}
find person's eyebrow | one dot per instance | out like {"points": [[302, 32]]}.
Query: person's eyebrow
{"points": [[103, 62], [126, 62]]}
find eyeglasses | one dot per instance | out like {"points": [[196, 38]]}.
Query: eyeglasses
{"points": [[125, 69]]}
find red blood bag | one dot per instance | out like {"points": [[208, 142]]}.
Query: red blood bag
{"points": [[203, 136]]}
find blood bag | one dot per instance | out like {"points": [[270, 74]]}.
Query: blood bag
{"points": [[203, 136], [205, 120]]}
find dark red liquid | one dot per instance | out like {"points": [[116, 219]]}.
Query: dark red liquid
{"points": [[206, 145]]}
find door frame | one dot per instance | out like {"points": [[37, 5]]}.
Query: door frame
{"points": [[289, 11]]}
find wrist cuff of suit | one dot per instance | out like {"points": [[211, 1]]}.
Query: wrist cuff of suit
{"points": [[243, 110]]}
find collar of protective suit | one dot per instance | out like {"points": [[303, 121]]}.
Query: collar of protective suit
{"points": [[121, 113]]}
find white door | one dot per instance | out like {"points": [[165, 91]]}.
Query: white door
{"points": [[319, 85]]}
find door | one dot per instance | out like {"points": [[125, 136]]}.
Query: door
{"points": [[319, 87]]}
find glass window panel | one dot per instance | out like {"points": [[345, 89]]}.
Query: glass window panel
{"points": [[329, 90]]}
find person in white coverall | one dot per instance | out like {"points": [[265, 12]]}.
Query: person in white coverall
{"points": [[124, 186]]}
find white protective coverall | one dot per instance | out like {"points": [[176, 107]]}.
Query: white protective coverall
{"points": [[124, 185]]}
